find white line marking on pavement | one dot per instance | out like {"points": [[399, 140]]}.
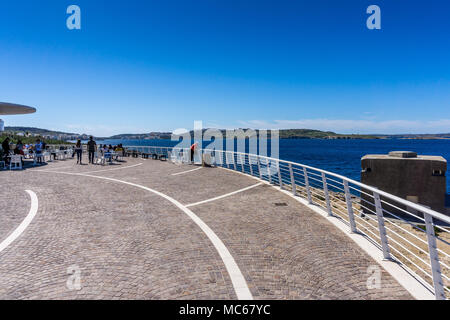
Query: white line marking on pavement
{"points": [[134, 165], [25, 223], [73, 166], [239, 284], [176, 174], [120, 168], [223, 196]]}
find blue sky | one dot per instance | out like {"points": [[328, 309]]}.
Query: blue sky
{"points": [[140, 66]]}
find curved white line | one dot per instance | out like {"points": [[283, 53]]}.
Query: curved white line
{"points": [[134, 165], [25, 223], [239, 284], [224, 196], [49, 170], [176, 174], [73, 166]]}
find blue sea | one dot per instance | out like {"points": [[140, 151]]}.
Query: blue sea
{"points": [[339, 156]]}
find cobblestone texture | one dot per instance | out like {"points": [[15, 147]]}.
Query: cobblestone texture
{"points": [[131, 244]]}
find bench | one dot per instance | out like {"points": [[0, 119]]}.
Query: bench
{"points": [[132, 153]]}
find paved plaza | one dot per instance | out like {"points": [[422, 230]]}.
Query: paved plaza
{"points": [[146, 229]]}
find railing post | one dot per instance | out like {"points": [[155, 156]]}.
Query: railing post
{"points": [[327, 196], [348, 200], [259, 168], [215, 158], [234, 161], [434, 258], [308, 190], [226, 160], [280, 182], [242, 163], [381, 227], [250, 165], [294, 186], [268, 170]]}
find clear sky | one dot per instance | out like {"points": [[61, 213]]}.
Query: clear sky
{"points": [[138, 66]]}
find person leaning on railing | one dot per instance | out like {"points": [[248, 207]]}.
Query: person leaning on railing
{"points": [[193, 150]]}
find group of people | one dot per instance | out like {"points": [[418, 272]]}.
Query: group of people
{"points": [[103, 150], [22, 149]]}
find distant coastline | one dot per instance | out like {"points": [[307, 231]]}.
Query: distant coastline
{"points": [[283, 134]]}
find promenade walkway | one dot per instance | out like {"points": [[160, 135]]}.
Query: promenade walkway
{"points": [[146, 229]]}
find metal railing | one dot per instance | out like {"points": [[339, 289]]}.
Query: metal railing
{"points": [[414, 236]]}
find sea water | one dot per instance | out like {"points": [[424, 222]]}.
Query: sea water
{"points": [[338, 156]]}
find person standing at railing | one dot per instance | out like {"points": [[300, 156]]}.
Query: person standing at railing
{"points": [[193, 150], [79, 151], [91, 149]]}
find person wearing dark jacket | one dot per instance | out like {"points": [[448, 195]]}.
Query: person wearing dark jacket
{"points": [[5, 146], [91, 149], [6, 149]]}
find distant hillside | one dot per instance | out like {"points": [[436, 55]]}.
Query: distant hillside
{"points": [[317, 134], [284, 134], [35, 130], [142, 136], [302, 134], [47, 134], [296, 134], [421, 136]]}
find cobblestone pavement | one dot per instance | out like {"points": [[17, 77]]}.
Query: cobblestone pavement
{"points": [[128, 243], [14, 206]]}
